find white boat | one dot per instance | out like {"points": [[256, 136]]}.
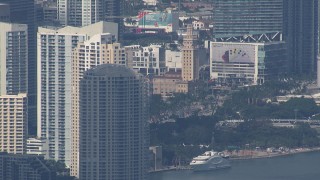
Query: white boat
{"points": [[210, 160]]}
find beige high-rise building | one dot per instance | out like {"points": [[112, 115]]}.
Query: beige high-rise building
{"points": [[190, 57], [100, 49], [13, 123], [113, 54]]}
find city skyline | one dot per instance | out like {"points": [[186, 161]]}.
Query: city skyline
{"points": [[118, 89]]}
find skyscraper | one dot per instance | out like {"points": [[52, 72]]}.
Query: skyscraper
{"points": [[14, 86], [190, 56], [301, 32], [238, 17], [298, 20], [113, 124], [86, 12], [101, 51], [23, 12], [14, 58], [55, 48]]}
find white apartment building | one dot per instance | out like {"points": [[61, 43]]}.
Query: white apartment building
{"points": [[13, 123], [54, 61], [148, 60], [173, 60], [99, 49]]}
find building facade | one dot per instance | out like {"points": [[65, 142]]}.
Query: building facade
{"points": [[190, 56], [149, 60], [14, 123], [251, 59], [173, 60], [23, 12], [36, 147], [14, 58], [14, 86], [55, 47], [113, 124], [168, 84], [85, 12], [14, 167], [239, 17], [99, 49], [301, 32], [4, 12]]}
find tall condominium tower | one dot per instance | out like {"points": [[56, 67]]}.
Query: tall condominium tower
{"points": [[55, 48], [190, 56], [13, 123], [13, 88], [113, 124], [23, 12], [301, 32], [86, 12], [88, 54], [237, 17], [14, 58]]}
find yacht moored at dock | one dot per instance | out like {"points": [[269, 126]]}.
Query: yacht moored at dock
{"points": [[210, 160]]}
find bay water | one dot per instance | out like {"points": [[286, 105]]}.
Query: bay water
{"points": [[303, 166]]}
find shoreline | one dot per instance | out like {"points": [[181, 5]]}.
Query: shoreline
{"points": [[274, 154], [246, 157]]}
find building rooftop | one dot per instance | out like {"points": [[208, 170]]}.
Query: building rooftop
{"points": [[112, 70], [96, 28]]}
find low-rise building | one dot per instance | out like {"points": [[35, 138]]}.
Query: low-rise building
{"points": [[150, 2], [168, 84], [148, 60], [198, 25], [249, 59], [36, 146], [16, 167], [173, 60]]}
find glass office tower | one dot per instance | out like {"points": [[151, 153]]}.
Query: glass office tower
{"points": [[237, 17]]}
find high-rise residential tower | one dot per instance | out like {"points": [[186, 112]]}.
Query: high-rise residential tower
{"points": [[113, 124], [99, 49], [55, 47], [13, 123], [14, 86], [23, 12], [86, 12], [301, 32], [14, 58], [190, 56]]}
